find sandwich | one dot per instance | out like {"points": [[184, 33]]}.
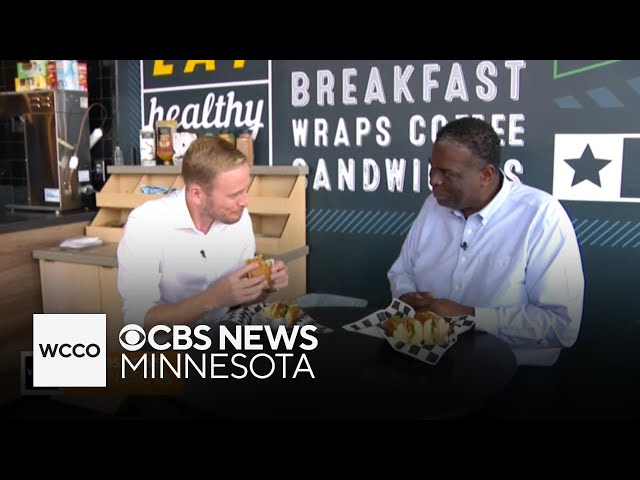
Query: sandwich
{"points": [[435, 329], [280, 312], [292, 315], [276, 310], [404, 329], [263, 268]]}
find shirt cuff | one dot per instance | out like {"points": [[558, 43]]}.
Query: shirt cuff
{"points": [[403, 286], [486, 320], [135, 312]]}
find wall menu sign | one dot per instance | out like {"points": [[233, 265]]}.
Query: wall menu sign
{"points": [[366, 128], [210, 96]]}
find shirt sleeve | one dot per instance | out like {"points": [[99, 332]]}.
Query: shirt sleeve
{"points": [[555, 286], [401, 274], [139, 258], [249, 250]]}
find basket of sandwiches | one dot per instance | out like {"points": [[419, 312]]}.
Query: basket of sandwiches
{"points": [[423, 335], [274, 314], [278, 313], [425, 328]]}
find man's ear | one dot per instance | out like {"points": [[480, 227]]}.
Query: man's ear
{"points": [[488, 172], [196, 194]]}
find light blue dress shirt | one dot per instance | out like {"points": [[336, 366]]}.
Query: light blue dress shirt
{"points": [[521, 268]]}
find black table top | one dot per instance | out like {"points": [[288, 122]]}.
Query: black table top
{"points": [[356, 376]]}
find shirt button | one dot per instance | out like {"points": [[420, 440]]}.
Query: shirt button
{"points": [[463, 259], [457, 287], [468, 231]]}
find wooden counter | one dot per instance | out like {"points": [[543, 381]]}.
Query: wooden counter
{"points": [[86, 281], [20, 287]]}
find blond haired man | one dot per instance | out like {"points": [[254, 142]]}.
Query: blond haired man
{"points": [[181, 259]]}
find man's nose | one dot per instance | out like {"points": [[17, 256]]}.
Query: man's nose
{"points": [[244, 200], [434, 178]]}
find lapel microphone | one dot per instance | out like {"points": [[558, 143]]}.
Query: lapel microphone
{"points": [[202, 253]]}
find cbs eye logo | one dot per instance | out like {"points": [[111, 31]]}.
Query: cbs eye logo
{"points": [[132, 337]]}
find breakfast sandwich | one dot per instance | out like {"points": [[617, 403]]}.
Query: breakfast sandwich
{"points": [[263, 268]]}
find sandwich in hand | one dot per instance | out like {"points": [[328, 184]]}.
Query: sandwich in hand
{"points": [[263, 268]]}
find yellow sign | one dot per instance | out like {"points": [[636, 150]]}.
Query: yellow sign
{"points": [[160, 68]]}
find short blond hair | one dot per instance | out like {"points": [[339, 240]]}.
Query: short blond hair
{"points": [[206, 157]]}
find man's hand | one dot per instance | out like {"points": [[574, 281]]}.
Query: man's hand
{"points": [[441, 306], [236, 288], [279, 275], [417, 300], [449, 308]]}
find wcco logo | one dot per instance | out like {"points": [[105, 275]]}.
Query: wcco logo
{"points": [[69, 350], [79, 350]]}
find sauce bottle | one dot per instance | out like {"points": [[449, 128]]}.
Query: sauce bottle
{"points": [[228, 136], [244, 143], [164, 138]]}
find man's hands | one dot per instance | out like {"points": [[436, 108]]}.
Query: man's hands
{"points": [[449, 308], [279, 275], [418, 300], [237, 288], [440, 306]]}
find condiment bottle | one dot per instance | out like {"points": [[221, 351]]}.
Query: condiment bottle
{"points": [[244, 143]]}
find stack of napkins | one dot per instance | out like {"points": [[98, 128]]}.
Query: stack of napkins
{"points": [[81, 242]]}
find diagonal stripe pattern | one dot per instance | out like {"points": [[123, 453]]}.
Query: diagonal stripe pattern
{"points": [[607, 233], [359, 222], [590, 232], [134, 122], [601, 97]]}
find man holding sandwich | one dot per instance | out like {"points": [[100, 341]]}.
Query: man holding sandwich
{"points": [[185, 258]]}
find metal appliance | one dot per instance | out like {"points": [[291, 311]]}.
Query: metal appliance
{"points": [[56, 133]]}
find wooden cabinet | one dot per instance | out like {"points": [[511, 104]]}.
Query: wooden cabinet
{"points": [[82, 282], [123, 192], [21, 294]]}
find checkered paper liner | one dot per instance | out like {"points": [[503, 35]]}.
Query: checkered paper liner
{"points": [[371, 325], [252, 315]]}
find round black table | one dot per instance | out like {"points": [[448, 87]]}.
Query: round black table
{"points": [[357, 376]]}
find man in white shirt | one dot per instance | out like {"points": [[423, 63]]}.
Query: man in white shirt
{"points": [[181, 258], [503, 253]]}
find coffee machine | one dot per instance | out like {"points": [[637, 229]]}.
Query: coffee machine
{"points": [[56, 145]]}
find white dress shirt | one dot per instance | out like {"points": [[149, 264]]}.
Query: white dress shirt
{"points": [[163, 258], [521, 268]]}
